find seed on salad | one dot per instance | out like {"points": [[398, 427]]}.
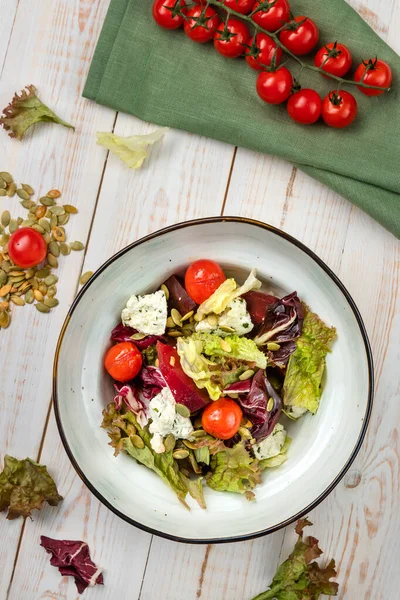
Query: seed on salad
{"points": [[182, 410], [7, 177], [43, 273], [137, 336], [52, 291], [212, 320], [176, 317], [46, 201], [137, 441], [85, 278], [180, 454], [244, 433], [28, 188], [76, 246], [169, 442], [29, 297], [3, 192], [4, 319], [246, 375], [5, 218], [165, 290], [233, 395], [225, 346], [273, 346], [52, 260], [227, 329], [22, 194], [12, 188], [50, 302], [174, 333], [246, 423], [42, 307], [65, 249], [270, 404], [170, 323], [38, 295], [187, 316], [72, 210], [198, 434], [53, 194], [17, 300], [189, 444]]}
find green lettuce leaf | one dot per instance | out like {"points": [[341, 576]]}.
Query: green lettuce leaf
{"points": [[202, 455], [26, 110], [302, 385], [300, 579], [196, 366], [25, 485], [279, 459], [227, 291], [131, 150], [233, 470], [232, 346]]}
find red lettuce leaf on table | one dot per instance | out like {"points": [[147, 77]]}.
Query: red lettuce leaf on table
{"points": [[254, 406], [72, 558], [123, 333], [178, 296]]}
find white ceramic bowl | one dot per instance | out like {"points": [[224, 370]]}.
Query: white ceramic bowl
{"points": [[323, 446]]}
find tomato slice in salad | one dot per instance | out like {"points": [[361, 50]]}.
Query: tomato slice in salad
{"points": [[202, 278]]}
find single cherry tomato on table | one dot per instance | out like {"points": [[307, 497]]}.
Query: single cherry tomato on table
{"points": [[262, 51], [334, 58], [304, 106], [339, 109], [201, 24], [222, 418], [169, 13], [123, 361], [373, 72], [272, 15], [202, 278], [27, 247], [231, 38], [274, 87], [300, 35]]}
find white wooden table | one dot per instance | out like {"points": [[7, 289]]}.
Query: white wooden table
{"points": [[50, 43]]}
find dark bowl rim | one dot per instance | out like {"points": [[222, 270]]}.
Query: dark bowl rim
{"points": [[333, 484]]}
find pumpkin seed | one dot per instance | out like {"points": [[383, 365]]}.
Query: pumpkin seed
{"points": [[6, 266], [28, 188], [3, 192], [54, 248], [23, 286], [46, 237], [273, 346], [3, 278], [52, 260], [176, 317], [246, 423], [198, 434], [30, 273], [85, 277], [246, 375], [5, 218], [42, 288], [22, 194], [46, 201], [137, 441], [45, 224], [63, 219], [72, 210], [40, 212], [53, 221], [52, 291], [4, 305], [16, 278], [165, 290], [5, 290], [53, 194], [225, 346], [174, 333], [170, 323], [270, 404], [38, 295], [233, 395], [19, 221], [51, 279], [3, 184], [13, 226], [17, 300], [7, 177], [43, 273], [169, 442], [35, 283], [42, 307], [180, 454], [4, 319], [29, 297], [137, 336], [227, 329], [212, 320], [51, 302], [65, 249], [27, 223], [38, 228], [182, 410], [76, 246], [187, 316], [57, 210], [12, 188], [58, 234]]}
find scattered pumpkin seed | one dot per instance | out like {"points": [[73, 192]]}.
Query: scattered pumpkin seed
{"points": [[51, 302], [65, 249], [22, 194], [63, 219], [176, 317], [43, 273], [187, 316], [16, 272], [137, 441], [246, 375], [3, 278], [52, 291], [38, 295], [225, 346], [273, 346], [76, 246], [169, 442], [38, 228], [6, 266], [180, 454], [72, 210], [28, 189], [7, 177], [46, 201], [4, 305], [12, 188], [170, 323], [27, 223], [45, 224], [51, 279], [23, 286], [212, 320], [35, 283], [29, 297], [40, 212], [17, 300], [58, 234], [165, 290], [19, 221], [3, 184], [42, 288], [138, 336], [12, 226], [30, 273], [270, 404], [42, 307], [182, 410], [54, 248], [52, 260], [85, 277], [57, 210], [46, 237], [53, 221], [3, 192], [53, 194], [5, 218], [174, 333], [5, 290], [4, 319]]}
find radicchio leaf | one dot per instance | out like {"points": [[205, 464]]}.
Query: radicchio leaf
{"points": [[178, 296], [254, 406], [152, 382], [137, 394], [240, 387], [72, 558], [123, 333], [257, 303]]}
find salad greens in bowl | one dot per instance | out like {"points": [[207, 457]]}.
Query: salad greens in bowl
{"points": [[230, 373]]}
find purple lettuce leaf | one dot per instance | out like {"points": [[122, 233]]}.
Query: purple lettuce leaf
{"points": [[123, 333], [137, 394], [239, 387], [72, 558], [254, 406], [152, 382], [178, 296]]}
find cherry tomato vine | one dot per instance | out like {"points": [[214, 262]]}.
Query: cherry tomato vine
{"points": [[277, 31]]}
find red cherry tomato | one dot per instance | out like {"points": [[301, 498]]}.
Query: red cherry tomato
{"points": [[241, 6], [201, 24], [300, 36], [231, 38], [334, 58], [123, 361], [169, 13], [202, 278], [272, 16], [305, 106], [222, 418], [27, 247], [274, 87], [373, 72], [339, 109], [262, 52]]}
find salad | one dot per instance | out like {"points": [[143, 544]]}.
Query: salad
{"points": [[207, 373]]}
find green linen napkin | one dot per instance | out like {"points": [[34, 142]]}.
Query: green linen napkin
{"points": [[163, 77]]}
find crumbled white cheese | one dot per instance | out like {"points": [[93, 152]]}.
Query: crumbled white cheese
{"points": [[272, 445], [296, 411], [235, 316], [165, 420], [147, 314]]}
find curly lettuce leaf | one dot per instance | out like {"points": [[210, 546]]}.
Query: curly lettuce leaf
{"points": [[226, 293], [131, 150], [300, 579], [24, 486], [196, 366], [232, 346], [233, 470], [302, 385], [25, 110]]}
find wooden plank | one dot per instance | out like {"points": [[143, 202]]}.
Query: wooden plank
{"points": [[56, 42], [9, 11], [185, 177]]}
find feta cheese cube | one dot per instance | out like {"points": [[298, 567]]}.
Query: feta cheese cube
{"points": [[165, 420], [272, 445], [147, 314]]}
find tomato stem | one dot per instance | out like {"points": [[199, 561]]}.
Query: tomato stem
{"points": [[275, 37]]}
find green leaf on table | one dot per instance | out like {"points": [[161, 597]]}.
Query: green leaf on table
{"points": [[132, 150], [24, 111], [24, 486]]}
